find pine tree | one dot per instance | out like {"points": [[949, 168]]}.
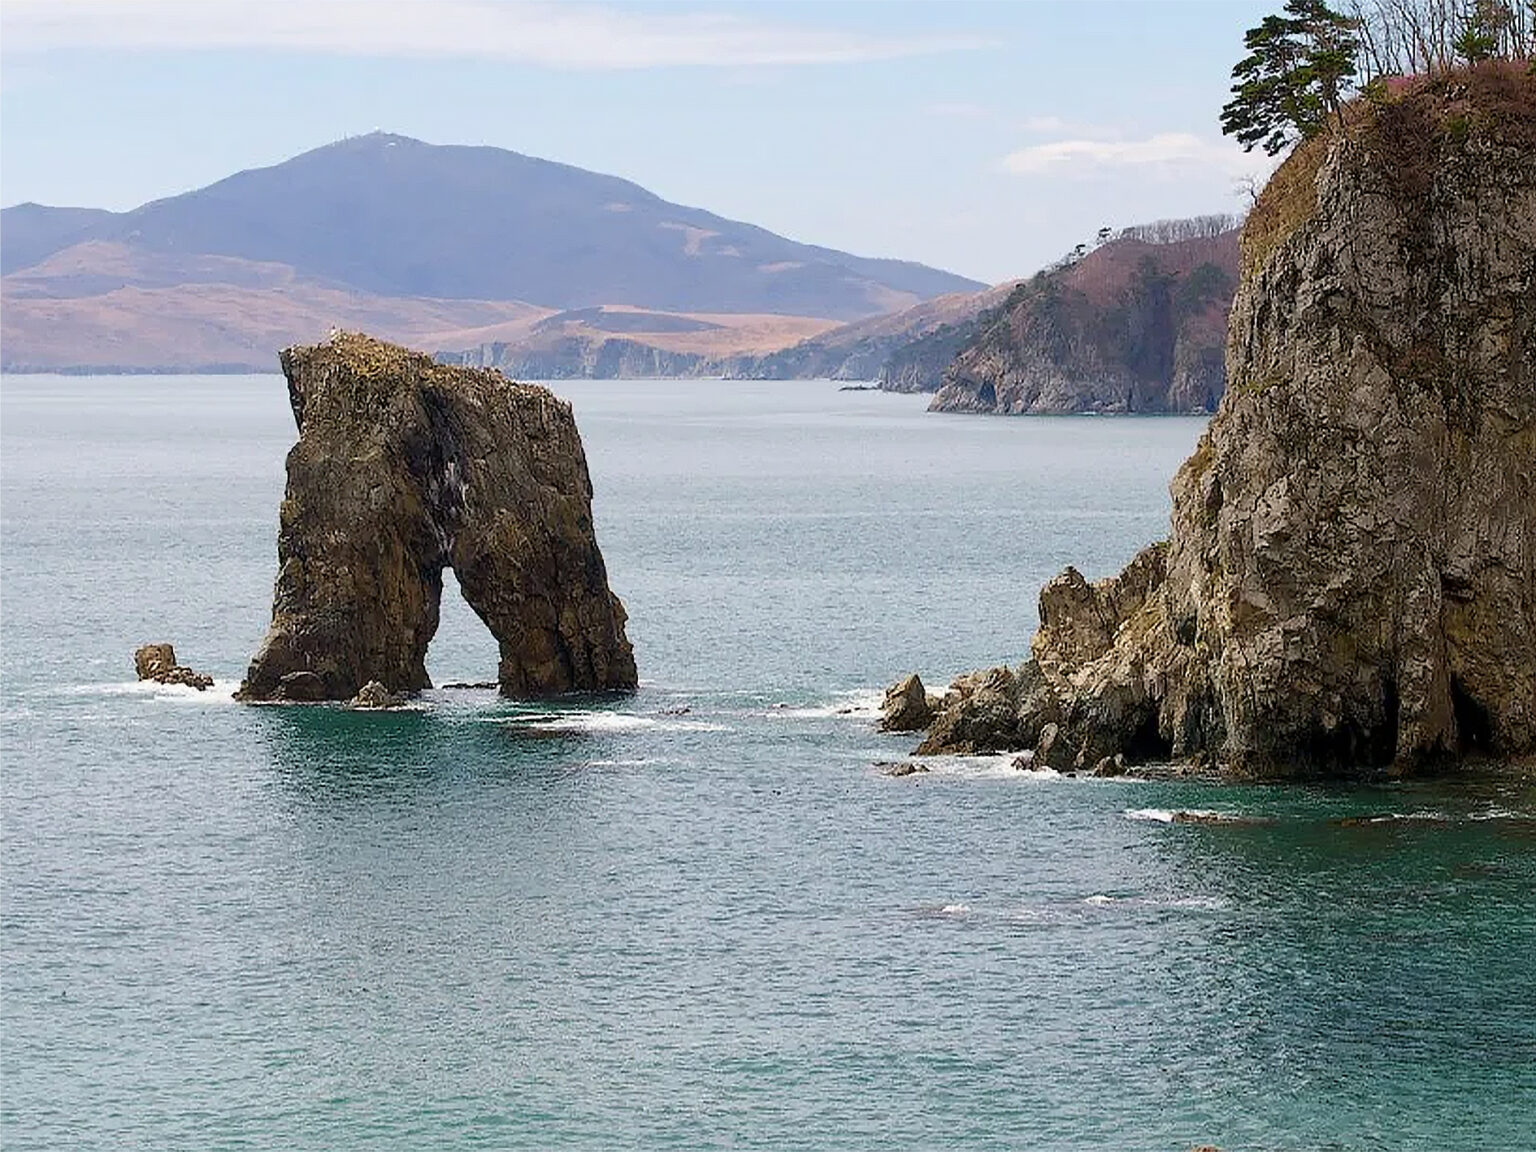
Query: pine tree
{"points": [[1482, 30], [1293, 79]]}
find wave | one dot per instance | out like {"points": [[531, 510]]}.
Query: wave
{"points": [[999, 766], [222, 691], [859, 704], [1073, 909], [607, 723], [1193, 816]]}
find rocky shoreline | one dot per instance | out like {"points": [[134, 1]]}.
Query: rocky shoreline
{"points": [[1350, 583]]}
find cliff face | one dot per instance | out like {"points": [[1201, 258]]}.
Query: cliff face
{"points": [[1351, 579], [404, 467], [1132, 327], [583, 358]]}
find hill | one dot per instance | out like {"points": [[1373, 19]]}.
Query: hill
{"points": [[861, 349], [390, 222], [1136, 325]]}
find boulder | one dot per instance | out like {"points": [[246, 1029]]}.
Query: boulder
{"points": [[157, 662], [1110, 765], [403, 468], [375, 695], [906, 707], [153, 661], [1347, 589]]}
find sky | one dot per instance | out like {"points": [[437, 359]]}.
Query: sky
{"points": [[985, 138]]}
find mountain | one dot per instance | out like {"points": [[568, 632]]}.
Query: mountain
{"points": [[1137, 325], [387, 218], [31, 232]]}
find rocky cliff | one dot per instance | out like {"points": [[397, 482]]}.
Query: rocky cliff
{"points": [[1350, 585], [404, 467], [584, 358], [1134, 326]]}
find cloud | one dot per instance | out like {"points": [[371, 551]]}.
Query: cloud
{"points": [[1167, 152], [555, 35]]}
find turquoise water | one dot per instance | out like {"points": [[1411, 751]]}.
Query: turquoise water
{"points": [[700, 917]]}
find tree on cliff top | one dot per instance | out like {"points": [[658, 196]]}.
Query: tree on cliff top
{"points": [[1424, 37], [1293, 79]]}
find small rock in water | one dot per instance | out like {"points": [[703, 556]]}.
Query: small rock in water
{"points": [[1194, 816], [375, 695], [905, 708], [1110, 765], [1051, 750], [157, 662], [900, 768]]}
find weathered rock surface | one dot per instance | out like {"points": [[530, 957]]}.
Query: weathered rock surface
{"points": [[157, 662], [405, 467], [373, 695], [1350, 585], [906, 707]]}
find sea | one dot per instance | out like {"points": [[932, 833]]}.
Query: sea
{"points": [[701, 916]]}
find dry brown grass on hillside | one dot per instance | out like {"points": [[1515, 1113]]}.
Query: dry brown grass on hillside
{"points": [[728, 334], [1288, 200], [1405, 126]]}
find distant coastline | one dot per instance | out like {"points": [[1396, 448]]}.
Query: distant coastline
{"points": [[133, 370]]}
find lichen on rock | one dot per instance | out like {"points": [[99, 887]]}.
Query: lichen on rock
{"points": [[405, 467], [1350, 582]]}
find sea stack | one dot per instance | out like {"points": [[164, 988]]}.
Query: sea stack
{"points": [[405, 467], [1350, 583]]}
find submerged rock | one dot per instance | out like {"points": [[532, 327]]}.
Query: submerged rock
{"points": [[157, 662], [1350, 585], [405, 467], [901, 768]]}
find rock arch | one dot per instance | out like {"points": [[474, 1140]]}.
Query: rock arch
{"points": [[405, 467]]}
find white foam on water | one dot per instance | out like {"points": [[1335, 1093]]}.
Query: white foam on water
{"points": [[1202, 903], [1099, 898], [954, 909], [994, 767], [222, 691], [1183, 815], [1499, 813], [859, 704], [609, 723]]}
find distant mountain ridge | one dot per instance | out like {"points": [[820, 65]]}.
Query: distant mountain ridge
{"points": [[396, 219]]}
